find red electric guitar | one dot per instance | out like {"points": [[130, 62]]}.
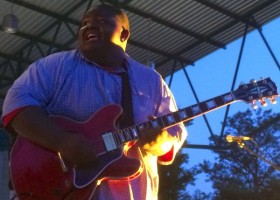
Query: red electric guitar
{"points": [[38, 173]]}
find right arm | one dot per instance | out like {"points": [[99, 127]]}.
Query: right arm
{"points": [[33, 123]]}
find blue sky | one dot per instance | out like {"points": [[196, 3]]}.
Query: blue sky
{"points": [[213, 75]]}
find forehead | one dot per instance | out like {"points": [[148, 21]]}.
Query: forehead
{"points": [[100, 12]]}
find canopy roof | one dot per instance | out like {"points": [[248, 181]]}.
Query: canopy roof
{"points": [[169, 33]]}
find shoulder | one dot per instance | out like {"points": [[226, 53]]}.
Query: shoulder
{"points": [[57, 62], [65, 56], [142, 71]]}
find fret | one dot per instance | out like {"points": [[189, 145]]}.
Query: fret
{"points": [[121, 136], [170, 119], [183, 114], [154, 123], [203, 107], [117, 138], [163, 122], [146, 125], [138, 128], [228, 97], [158, 122], [189, 112], [211, 104], [127, 135], [177, 117], [141, 126], [224, 99], [219, 101], [196, 109], [134, 133]]}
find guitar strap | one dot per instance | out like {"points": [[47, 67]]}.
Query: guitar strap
{"points": [[128, 117]]}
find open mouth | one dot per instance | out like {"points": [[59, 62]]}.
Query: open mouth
{"points": [[92, 37]]}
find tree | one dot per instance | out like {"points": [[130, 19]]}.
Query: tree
{"points": [[239, 174], [174, 179]]}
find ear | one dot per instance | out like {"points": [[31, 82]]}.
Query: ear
{"points": [[124, 35]]}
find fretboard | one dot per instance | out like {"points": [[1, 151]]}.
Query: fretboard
{"points": [[134, 132], [250, 93]]}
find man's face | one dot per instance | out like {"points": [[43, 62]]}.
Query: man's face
{"points": [[99, 29]]}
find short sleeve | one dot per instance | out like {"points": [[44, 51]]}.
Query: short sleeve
{"points": [[167, 105], [34, 87]]}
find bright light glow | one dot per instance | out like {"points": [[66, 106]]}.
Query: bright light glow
{"points": [[10, 23]]}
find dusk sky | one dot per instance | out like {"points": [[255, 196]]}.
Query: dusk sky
{"points": [[213, 76]]}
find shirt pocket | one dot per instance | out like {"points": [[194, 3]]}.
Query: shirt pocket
{"points": [[143, 106]]}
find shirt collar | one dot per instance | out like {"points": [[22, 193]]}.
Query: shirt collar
{"points": [[125, 68]]}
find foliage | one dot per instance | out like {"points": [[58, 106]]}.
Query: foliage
{"points": [[174, 179], [198, 195], [238, 174]]}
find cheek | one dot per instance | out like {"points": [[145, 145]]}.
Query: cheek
{"points": [[79, 35], [116, 38], [116, 35]]}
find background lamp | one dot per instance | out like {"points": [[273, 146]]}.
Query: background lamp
{"points": [[10, 23]]}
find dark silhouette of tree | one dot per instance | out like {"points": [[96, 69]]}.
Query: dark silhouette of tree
{"points": [[199, 195], [237, 173], [174, 178]]}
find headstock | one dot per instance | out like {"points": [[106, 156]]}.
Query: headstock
{"points": [[257, 91]]}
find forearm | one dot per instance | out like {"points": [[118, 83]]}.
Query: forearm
{"points": [[35, 125]]}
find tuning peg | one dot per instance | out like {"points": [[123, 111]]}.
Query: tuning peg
{"points": [[253, 81], [272, 100], [264, 81], [254, 105], [263, 102], [244, 86]]}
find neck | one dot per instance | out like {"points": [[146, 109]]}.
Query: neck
{"points": [[108, 58]]}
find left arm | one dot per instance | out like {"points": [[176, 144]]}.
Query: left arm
{"points": [[164, 143]]}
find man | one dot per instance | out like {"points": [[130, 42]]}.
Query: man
{"points": [[76, 84]]}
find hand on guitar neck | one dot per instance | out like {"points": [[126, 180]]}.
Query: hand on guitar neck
{"points": [[155, 141]]}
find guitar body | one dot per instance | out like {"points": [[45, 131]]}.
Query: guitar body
{"points": [[37, 173]]}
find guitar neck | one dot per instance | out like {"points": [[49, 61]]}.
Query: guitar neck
{"points": [[250, 93], [134, 132]]}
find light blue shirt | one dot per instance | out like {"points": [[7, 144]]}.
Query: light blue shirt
{"points": [[66, 84]]}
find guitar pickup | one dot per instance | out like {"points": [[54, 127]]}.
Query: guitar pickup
{"points": [[109, 141]]}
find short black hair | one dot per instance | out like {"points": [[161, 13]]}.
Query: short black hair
{"points": [[116, 11]]}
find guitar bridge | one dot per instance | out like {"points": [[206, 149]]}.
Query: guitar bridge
{"points": [[109, 141]]}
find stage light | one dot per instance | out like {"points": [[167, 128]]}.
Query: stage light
{"points": [[10, 22]]}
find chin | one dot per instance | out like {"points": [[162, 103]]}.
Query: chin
{"points": [[91, 47]]}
